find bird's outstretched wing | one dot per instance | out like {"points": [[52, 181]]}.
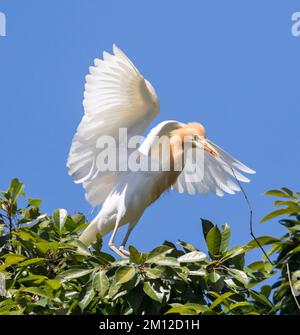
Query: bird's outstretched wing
{"points": [[216, 174], [116, 96]]}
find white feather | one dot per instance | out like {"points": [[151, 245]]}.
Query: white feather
{"points": [[217, 174], [116, 96]]}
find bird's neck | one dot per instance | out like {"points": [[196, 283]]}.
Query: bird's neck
{"points": [[176, 154]]}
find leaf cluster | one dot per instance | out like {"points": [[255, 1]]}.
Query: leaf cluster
{"points": [[47, 270]]}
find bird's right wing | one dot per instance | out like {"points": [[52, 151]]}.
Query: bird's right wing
{"points": [[116, 96], [211, 173]]}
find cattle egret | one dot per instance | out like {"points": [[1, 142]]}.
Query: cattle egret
{"points": [[118, 97]]}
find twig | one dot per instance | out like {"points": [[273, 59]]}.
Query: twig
{"points": [[250, 216], [10, 227], [291, 285]]}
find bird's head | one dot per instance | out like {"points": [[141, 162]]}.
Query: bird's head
{"points": [[193, 134]]}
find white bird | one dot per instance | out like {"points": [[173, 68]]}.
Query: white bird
{"points": [[117, 96]]}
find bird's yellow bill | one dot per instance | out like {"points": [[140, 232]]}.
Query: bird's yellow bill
{"points": [[208, 147]]}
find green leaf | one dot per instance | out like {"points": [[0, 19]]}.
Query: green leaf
{"points": [[101, 283], [260, 266], [240, 305], [231, 284], [36, 291], [113, 290], [262, 240], [290, 204], [200, 272], [16, 189], [187, 309], [239, 275], [279, 212], [34, 202], [60, 216], [88, 295], [206, 226], [53, 284], [164, 261], [14, 259], [294, 250], [187, 246], [182, 310], [74, 273], [261, 298], [278, 193], [235, 251], [81, 248], [296, 286], [288, 191], [124, 274], [266, 290], [214, 276], [33, 279], [43, 247], [79, 228], [154, 291], [193, 256], [32, 261], [120, 262], [226, 233], [106, 258], [135, 256], [198, 308], [26, 235], [220, 299], [158, 253], [213, 241], [153, 273]]}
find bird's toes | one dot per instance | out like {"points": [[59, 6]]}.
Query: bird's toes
{"points": [[116, 250], [124, 251]]}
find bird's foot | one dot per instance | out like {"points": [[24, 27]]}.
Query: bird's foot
{"points": [[124, 251], [116, 250]]}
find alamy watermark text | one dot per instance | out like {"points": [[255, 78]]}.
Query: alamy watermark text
{"points": [[296, 25], [2, 24]]}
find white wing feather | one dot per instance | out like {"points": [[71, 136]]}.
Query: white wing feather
{"points": [[116, 96], [217, 175]]}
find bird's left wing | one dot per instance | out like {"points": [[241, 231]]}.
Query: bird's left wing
{"points": [[116, 96], [211, 173]]}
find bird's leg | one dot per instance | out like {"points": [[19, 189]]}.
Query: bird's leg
{"points": [[111, 241], [122, 246]]}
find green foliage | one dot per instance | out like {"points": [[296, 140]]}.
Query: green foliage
{"points": [[287, 250], [48, 271]]}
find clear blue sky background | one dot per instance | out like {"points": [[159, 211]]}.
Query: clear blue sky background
{"points": [[231, 65]]}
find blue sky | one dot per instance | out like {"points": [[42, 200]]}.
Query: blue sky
{"points": [[231, 65]]}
